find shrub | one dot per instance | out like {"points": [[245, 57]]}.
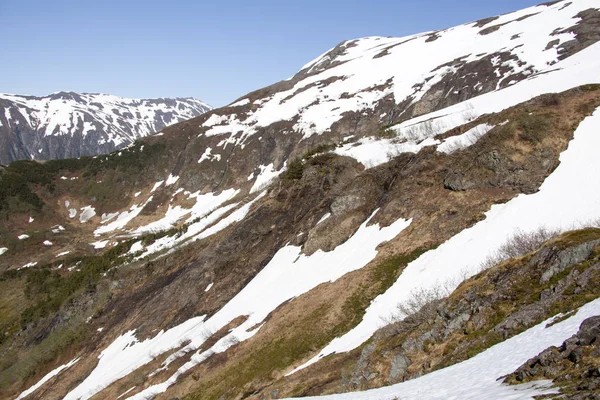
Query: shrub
{"points": [[294, 170], [519, 244], [322, 148]]}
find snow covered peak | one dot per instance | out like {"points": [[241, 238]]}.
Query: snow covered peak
{"points": [[420, 73], [83, 123]]}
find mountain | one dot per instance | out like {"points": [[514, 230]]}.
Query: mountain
{"points": [[405, 217], [70, 125]]}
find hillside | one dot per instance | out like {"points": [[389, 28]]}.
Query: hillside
{"points": [[261, 250], [71, 125]]}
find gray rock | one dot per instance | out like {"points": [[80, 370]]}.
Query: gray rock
{"points": [[398, 367]]}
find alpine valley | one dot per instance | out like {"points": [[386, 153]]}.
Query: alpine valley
{"points": [[404, 218]]}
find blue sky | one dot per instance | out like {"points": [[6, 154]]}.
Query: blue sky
{"points": [[216, 51]]}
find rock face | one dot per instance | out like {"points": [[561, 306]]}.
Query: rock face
{"points": [[573, 365], [71, 125]]}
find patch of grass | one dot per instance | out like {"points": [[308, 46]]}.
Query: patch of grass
{"points": [[42, 354], [533, 127]]}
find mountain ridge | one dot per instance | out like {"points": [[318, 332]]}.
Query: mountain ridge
{"points": [[68, 124]]}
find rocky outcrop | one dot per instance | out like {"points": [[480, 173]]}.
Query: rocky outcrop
{"points": [[574, 366]]}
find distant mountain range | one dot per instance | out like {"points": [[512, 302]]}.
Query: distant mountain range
{"points": [[69, 124]]}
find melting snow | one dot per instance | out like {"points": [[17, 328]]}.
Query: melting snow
{"points": [[265, 176], [87, 213], [100, 244], [294, 274], [324, 217], [567, 197], [123, 219], [476, 378], [156, 185], [469, 138], [46, 378], [171, 180], [29, 265]]}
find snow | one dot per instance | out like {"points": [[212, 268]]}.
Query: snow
{"points": [[87, 213], [29, 265], [23, 237], [121, 120], [460, 142], [57, 228], [3, 250], [204, 204], [137, 194], [169, 242], [266, 175], [476, 378], [137, 246], [107, 217], [47, 377], [171, 180], [373, 152], [324, 217], [207, 155], [123, 219], [125, 392], [47, 243], [568, 197], [31, 220], [208, 287], [289, 274], [156, 185], [64, 253], [100, 244], [358, 79], [240, 103]]}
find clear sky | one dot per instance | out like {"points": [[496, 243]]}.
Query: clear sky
{"points": [[214, 50]]}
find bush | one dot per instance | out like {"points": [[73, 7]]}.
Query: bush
{"points": [[294, 170], [422, 303], [322, 148], [518, 245]]}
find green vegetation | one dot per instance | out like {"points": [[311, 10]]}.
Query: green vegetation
{"points": [[13, 369], [294, 170], [20, 178], [386, 132], [49, 289], [133, 159], [533, 127]]}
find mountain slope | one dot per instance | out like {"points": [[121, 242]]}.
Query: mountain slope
{"points": [[231, 256], [68, 125]]}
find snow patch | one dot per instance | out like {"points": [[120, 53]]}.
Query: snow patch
{"points": [[478, 377], [46, 378]]}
